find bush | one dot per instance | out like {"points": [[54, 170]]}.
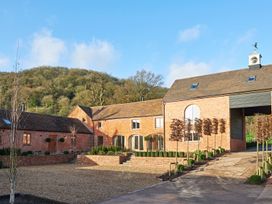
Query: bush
{"points": [[28, 153], [65, 152], [210, 154], [180, 168], [171, 154], [110, 153], [6, 151], [181, 154], [47, 153], [1, 165], [137, 154], [153, 154], [149, 154], [101, 152], [255, 179], [48, 139], [191, 162], [144, 154], [160, 154], [165, 154], [157, 154], [61, 139]]}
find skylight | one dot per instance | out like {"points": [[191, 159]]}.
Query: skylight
{"points": [[7, 122], [194, 86], [251, 78]]}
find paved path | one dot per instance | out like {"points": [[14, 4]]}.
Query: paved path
{"points": [[221, 181]]}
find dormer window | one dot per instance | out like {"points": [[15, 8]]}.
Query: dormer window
{"points": [[194, 86], [251, 78]]}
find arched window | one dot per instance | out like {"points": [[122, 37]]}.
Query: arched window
{"points": [[192, 112]]}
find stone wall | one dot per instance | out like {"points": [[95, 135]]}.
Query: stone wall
{"points": [[101, 160], [38, 160]]}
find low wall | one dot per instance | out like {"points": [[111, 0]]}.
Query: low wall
{"points": [[101, 160], [38, 160], [154, 161]]}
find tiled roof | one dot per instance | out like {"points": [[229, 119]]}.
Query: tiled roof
{"points": [[126, 110], [41, 122], [225, 83]]}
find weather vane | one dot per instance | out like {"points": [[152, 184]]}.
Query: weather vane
{"points": [[255, 45]]}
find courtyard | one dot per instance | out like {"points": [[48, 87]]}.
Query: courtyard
{"points": [[71, 183]]}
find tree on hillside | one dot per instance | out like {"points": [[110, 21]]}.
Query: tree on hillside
{"points": [[214, 132]]}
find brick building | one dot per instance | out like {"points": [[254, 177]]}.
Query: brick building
{"points": [[125, 125], [231, 96], [40, 133]]}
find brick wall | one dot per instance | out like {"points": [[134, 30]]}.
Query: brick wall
{"points": [[217, 107], [38, 160], [38, 144]]}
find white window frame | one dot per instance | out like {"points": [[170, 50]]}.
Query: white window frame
{"points": [[192, 112], [160, 124], [137, 126]]}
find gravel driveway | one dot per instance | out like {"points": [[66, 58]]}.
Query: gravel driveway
{"points": [[75, 184], [219, 182]]}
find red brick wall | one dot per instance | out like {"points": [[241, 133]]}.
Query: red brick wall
{"points": [[38, 160], [217, 107], [38, 141]]}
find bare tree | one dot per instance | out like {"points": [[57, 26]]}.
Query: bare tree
{"points": [[177, 133], [73, 131], [15, 114]]}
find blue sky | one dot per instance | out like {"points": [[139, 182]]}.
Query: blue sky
{"points": [[176, 39]]}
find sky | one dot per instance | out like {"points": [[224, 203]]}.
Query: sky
{"points": [[176, 39]]}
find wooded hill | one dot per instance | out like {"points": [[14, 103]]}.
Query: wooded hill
{"points": [[55, 90]]}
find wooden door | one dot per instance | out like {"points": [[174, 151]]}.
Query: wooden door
{"points": [[52, 145]]}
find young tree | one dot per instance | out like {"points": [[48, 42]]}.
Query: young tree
{"points": [[258, 134], [214, 132], [222, 129], [177, 133], [188, 134], [207, 130], [198, 130]]}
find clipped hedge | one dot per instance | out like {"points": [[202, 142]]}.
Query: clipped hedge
{"points": [[158, 154]]}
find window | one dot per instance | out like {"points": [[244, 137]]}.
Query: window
{"points": [[137, 142], [192, 112], [135, 124], [251, 78], [100, 141], [99, 124], [194, 86], [119, 141], [26, 139], [159, 122]]}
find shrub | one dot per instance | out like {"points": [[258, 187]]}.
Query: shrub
{"points": [[255, 179], [153, 154], [180, 168], [157, 154], [144, 154], [48, 139], [110, 153], [28, 153], [47, 153], [149, 154], [61, 139], [65, 152], [6, 151], [171, 154], [101, 152], [160, 154], [210, 154], [191, 162], [165, 154], [1, 165], [137, 154], [181, 154]]}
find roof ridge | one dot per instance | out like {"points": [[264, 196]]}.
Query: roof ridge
{"points": [[223, 72], [146, 101]]}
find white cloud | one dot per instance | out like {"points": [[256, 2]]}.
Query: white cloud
{"points": [[185, 70], [95, 54], [45, 50], [189, 34], [4, 62]]}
